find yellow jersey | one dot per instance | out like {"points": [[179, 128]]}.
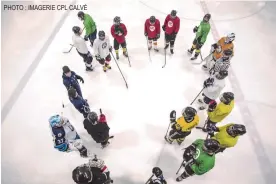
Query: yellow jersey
{"points": [[184, 126], [222, 110], [225, 140]]}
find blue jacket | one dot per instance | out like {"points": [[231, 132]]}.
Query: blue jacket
{"points": [[71, 81], [80, 104]]}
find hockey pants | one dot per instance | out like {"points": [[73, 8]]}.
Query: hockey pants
{"points": [[179, 137]]}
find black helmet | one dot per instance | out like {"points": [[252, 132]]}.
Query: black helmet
{"points": [[92, 117], [117, 20], [189, 113], [72, 92], [222, 74], [81, 15], [152, 19], [173, 13], [227, 97], [211, 145], [157, 171], [76, 29], [207, 17], [65, 69], [228, 52], [82, 174], [101, 35], [236, 130]]}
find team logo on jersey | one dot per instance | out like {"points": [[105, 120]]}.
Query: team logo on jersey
{"points": [[104, 45], [170, 23], [197, 153], [59, 135], [152, 28]]}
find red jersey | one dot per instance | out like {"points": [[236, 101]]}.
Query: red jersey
{"points": [[152, 29], [119, 32], [172, 25]]}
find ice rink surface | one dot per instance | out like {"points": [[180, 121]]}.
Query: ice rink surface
{"points": [[139, 116]]}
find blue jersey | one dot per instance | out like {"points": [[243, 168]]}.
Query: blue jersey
{"points": [[71, 81], [80, 104]]}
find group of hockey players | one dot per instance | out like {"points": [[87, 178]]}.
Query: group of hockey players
{"points": [[199, 157]]}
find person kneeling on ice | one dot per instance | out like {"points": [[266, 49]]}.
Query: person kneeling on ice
{"points": [[182, 127], [217, 113], [94, 172], [97, 128], [79, 103], [102, 49], [212, 89], [199, 158], [157, 177], [228, 135], [65, 137]]}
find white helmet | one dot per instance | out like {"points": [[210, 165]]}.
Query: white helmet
{"points": [[230, 37]]}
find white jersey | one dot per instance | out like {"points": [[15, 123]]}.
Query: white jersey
{"points": [[70, 132], [215, 89], [101, 47], [80, 44]]}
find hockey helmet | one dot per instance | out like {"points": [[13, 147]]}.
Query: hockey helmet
{"points": [[157, 171], [66, 69], [173, 13], [152, 19], [76, 29], [92, 117], [82, 175], [236, 130], [117, 20], [227, 97], [222, 74], [101, 35], [189, 113], [207, 17], [56, 121], [81, 15], [72, 93], [227, 53], [211, 146], [230, 37]]}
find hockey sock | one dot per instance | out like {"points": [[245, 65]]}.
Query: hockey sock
{"points": [[124, 50], [149, 43]]}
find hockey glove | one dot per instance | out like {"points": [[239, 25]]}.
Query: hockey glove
{"points": [[102, 119], [173, 116], [83, 152], [146, 34], [80, 78], [208, 82], [86, 37], [157, 36], [189, 152], [164, 28], [212, 106], [195, 29]]}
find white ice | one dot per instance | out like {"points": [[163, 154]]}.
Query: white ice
{"points": [[138, 116]]}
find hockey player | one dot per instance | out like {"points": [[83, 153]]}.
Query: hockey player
{"points": [[222, 63], [80, 104], [119, 32], [70, 79], [152, 31], [65, 137], [182, 127], [217, 113], [199, 158], [217, 51], [97, 128], [102, 49], [228, 135], [202, 32], [212, 89], [81, 48], [94, 172], [171, 27], [90, 27], [157, 177]]}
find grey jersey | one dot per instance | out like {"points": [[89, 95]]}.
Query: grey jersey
{"points": [[80, 44]]}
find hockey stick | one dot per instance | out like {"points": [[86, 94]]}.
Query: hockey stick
{"points": [[165, 58], [182, 163], [66, 52], [128, 57], [148, 48], [149, 179], [197, 96], [120, 69]]}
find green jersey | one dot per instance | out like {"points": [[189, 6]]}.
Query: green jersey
{"points": [[203, 31], [89, 24], [203, 162]]}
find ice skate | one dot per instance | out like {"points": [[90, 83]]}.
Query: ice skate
{"points": [[171, 51], [105, 145], [125, 54], [104, 68], [204, 67], [156, 49], [201, 108], [190, 51], [89, 69], [194, 58], [200, 101], [167, 45], [179, 178], [167, 140]]}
